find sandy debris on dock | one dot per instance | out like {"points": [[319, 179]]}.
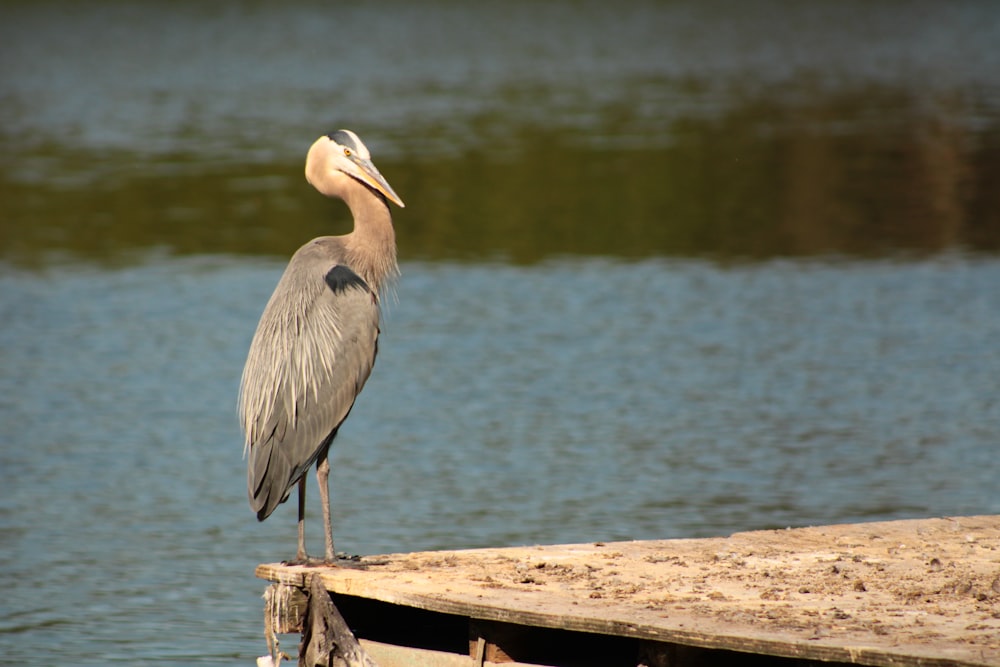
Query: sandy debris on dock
{"points": [[928, 587], [914, 582]]}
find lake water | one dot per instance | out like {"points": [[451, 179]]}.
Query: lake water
{"points": [[669, 270]]}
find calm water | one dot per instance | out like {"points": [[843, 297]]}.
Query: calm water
{"points": [[510, 406], [669, 269]]}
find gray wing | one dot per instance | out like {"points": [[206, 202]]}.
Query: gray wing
{"points": [[313, 350]]}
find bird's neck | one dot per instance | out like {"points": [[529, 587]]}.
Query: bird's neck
{"points": [[371, 247]]}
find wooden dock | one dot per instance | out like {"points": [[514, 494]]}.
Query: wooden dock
{"points": [[923, 592]]}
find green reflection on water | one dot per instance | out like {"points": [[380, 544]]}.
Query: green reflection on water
{"points": [[769, 178]]}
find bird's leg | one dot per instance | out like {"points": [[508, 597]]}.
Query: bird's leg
{"points": [[301, 556], [323, 478]]}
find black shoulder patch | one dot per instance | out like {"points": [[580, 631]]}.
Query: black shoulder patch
{"points": [[339, 278]]}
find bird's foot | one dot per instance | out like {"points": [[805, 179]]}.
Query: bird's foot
{"points": [[346, 560], [304, 559], [340, 560]]}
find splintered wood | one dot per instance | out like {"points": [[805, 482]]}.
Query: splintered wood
{"points": [[326, 638], [916, 592]]}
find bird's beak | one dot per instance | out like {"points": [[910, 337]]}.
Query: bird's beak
{"points": [[370, 175]]}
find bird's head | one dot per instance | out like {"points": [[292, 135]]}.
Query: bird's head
{"points": [[338, 160]]}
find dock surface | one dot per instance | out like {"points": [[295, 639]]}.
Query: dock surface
{"points": [[920, 592]]}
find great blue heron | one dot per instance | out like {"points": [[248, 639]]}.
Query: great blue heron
{"points": [[316, 341]]}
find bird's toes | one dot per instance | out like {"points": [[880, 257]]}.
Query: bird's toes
{"points": [[303, 560]]}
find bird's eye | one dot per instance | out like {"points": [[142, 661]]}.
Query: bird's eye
{"points": [[347, 152]]}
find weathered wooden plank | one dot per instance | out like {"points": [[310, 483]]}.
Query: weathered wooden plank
{"points": [[923, 592], [389, 655]]}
